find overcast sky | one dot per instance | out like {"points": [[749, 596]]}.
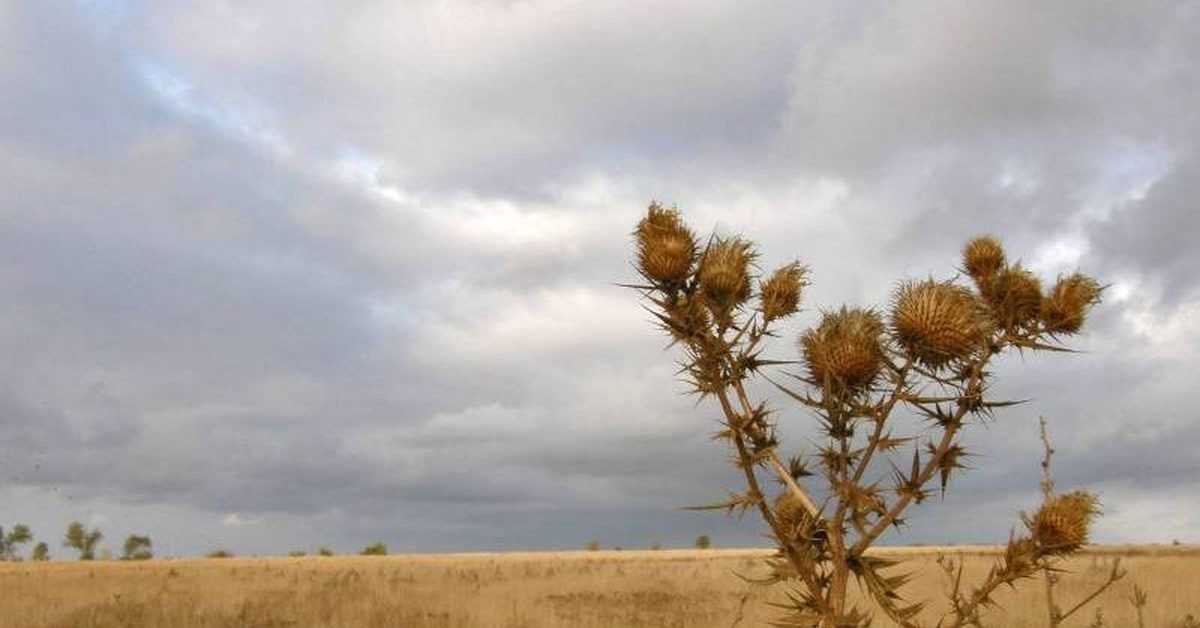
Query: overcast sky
{"points": [[279, 274]]}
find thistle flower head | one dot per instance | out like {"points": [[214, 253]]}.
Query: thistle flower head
{"points": [[983, 258], [1015, 296], [1062, 524], [789, 509], [780, 295], [688, 316], [725, 272], [794, 517], [938, 323], [845, 349], [1020, 556], [666, 248], [1065, 308]]}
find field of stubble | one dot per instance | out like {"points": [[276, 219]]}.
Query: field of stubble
{"points": [[563, 589]]}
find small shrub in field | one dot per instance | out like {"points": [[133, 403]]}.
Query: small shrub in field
{"points": [[82, 540], [324, 551], [298, 554], [592, 546], [137, 548], [11, 540], [927, 354], [220, 553], [703, 542], [374, 549], [41, 552]]}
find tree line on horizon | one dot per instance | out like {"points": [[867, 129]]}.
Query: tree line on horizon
{"points": [[77, 537], [136, 547], [140, 547]]}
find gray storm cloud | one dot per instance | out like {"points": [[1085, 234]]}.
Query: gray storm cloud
{"points": [[275, 278]]}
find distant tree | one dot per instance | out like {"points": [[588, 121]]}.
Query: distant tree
{"points": [[298, 554], [374, 549], [83, 541], [220, 553], [324, 551], [592, 546], [41, 552], [137, 548], [703, 542], [656, 546], [8, 542]]}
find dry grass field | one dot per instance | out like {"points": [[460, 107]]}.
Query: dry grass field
{"points": [[693, 588]]}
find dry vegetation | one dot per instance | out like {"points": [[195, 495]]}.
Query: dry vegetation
{"points": [[629, 589], [926, 355]]}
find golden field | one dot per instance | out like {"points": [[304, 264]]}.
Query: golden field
{"points": [[692, 588]]}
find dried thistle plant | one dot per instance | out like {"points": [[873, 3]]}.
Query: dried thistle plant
{"points": [[1060, 527], [927, 355]]}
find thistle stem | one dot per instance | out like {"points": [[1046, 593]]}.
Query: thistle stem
{"points": [[777, 465], [747, 465], [1113, 576], [1053, 615], [881, 417], [967, 611], [950, 430], [1047, 477]]}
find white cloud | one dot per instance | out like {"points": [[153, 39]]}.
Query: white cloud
{"points": [[1169, 336], [1133, 514], [234, 520]]}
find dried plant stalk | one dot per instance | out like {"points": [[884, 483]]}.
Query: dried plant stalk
{"points": [[927, 354], [1060, 527]]}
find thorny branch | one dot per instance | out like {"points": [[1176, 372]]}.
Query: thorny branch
{"points": [[1084, 506]]}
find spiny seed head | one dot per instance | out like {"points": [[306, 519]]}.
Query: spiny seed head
{"points": [[845, 349], [704, 368], [666, 247], [780, 295], [725, 272], [689, 316], [938, 323], [1081, 502], [1062, 524], [789, 509], [1015, 296], [983, 258], [1066, 307], [1025, 548], [1020, 555]]}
